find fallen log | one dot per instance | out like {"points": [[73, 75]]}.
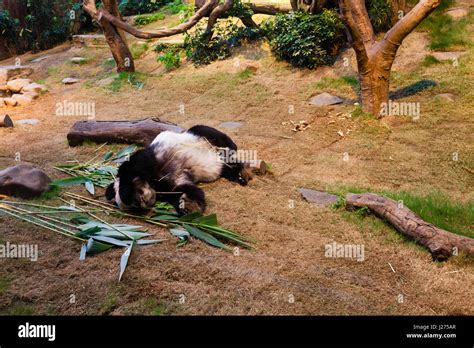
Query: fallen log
{"points": [[141, 132], [6, 121], [441, 244]]}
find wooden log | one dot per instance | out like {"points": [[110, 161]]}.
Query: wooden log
{"points": [[141, 132], [441, 244], [6, 121]]}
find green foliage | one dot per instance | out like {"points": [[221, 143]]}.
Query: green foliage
{"points": [[123, 78], [144, 19], [177, 6], [133, 7], [380, 14], [305, 40], [202, 50], [445, 32], [171, 58]]}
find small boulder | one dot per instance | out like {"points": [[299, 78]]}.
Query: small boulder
{"points": [[70, 80], [33, 95], [34, 87], [24, 181], [10, 101], [29, 121], [6, 121], [318, 197], [78, 60], [325, 99], [23, 99], [17, 85]]}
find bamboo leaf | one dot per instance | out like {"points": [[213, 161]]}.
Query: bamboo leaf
{"points": [[206, 237], [82, 255], [109, 240], [108, 156], [190, 217], [90, 187], [210, 220], [124, 260], [76, 180], [179, 232], [149, 241], [95, 247], [126, 151]]}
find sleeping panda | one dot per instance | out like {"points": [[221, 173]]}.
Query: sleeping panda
{"points": [[171, 166]]}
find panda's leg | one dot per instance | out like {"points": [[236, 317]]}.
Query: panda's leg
{"points": [[214, 136], [191, 198]]}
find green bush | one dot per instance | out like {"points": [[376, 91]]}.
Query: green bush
{"points": [[380, 14], [145, 19], [171, 58], [133, 7], [200, 50], [305, 40]]}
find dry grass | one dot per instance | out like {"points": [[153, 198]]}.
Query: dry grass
{"points": [[395, 154]]}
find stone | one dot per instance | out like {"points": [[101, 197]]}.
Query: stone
{"points": [[17, 85], [29, 121], [448, 55], [39, 59], [325, 99], [231, 124], [33, 95], [24, 181], [8, 72], [92, 40], [318, 197], [70, 80], [78, 60], [457, 13], [34, 87], [22, 99], [445, 96], [6, 121], [10, 101]]}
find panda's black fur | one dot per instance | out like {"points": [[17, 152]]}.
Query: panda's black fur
{"points": [[169, 169]]}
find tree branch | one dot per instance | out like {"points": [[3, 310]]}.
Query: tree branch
{"points": [[409, 22], [90, 7]]}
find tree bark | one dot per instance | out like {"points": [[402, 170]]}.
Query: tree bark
{"points": [[375, 58], [141, 132], [113, 35], [441, 244]]}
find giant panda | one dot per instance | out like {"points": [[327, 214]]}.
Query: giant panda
{"points": [[170, 168]]}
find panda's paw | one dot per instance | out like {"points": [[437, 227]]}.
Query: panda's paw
{"points": [[188, 205]]}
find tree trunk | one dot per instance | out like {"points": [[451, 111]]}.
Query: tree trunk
{"points": [[441, 244]]}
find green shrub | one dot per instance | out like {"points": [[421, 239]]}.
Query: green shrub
{"points": [[176, 7], [305, 40], [380, 14], [200, 50], [171, 58], [133, 7]]}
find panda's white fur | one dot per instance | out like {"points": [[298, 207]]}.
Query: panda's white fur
{"points": [[193, 153]]}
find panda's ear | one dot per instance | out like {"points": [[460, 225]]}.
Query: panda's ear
{"points": [[110, 192]]}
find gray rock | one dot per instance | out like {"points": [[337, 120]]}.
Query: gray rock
{"points": [[39, 59], [10, 101], [318, 197], [443, 56], [24, 181], [325, 99], [8, 72], [29, 121], [457, 13], [17, 85], [78, 60], [70, 80], [445, 96], [24, 99], [231, 124], [34, 87]]}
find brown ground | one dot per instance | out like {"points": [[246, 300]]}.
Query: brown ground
{"points": [[395, 154]]}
